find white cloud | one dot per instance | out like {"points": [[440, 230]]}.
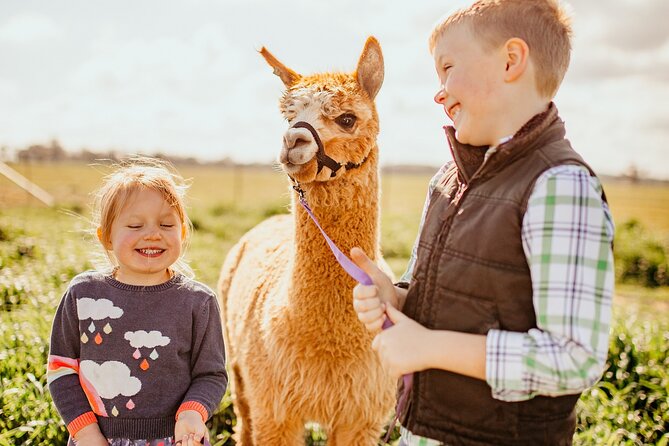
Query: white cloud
{"points": [[29, 28], [143, 339], [110, 379], [97, 309]]}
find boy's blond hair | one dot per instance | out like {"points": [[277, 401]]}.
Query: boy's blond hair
{"points": [[130, 176], [543, 24]]}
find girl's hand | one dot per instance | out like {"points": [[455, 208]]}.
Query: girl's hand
{"points": [[90, 436], [190, 429]]}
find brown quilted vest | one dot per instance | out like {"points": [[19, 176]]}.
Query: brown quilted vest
{"points": [[471, 275]]}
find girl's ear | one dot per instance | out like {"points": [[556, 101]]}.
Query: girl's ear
{"points": [[105, 244], [517, 54]]}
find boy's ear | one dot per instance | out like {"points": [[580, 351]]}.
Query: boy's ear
{"points": [[517, 54], [288, 76]]}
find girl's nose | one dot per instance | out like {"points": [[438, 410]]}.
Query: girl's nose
{"points": [[152, 234], [440, 97]]}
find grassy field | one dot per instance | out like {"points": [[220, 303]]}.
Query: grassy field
{"points": [[42, 249]]}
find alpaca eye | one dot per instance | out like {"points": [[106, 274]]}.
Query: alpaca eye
{"points": [[347, 120]]}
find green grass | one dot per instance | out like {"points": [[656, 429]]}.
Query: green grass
{"points": [[42, 249]]}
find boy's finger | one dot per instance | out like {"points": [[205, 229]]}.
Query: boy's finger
{"points": [[394, 314], [361, 291], [365, 263], [362, 305], [367, 317], [376, 325]]}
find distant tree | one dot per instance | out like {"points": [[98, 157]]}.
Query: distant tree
{"points": [[632, 173]]}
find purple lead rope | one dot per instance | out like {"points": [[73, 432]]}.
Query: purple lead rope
{"points": [[354, 271]]}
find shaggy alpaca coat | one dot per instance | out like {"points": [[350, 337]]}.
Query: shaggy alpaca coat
{"points": [[297, 351]]}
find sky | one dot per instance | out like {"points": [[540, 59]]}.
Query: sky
{"points": [[185, 78]]}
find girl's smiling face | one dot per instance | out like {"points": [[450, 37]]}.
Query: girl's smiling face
{"points": [[146, 238]]}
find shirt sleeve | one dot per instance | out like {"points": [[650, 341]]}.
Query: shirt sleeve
{"points": [[209, 379], [63, 368], [408, 274], [567, 234]]}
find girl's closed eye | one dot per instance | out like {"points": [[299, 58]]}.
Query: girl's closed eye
{"points": [[134, 226]]}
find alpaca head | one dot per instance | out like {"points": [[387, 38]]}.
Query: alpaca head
{"points": [[339, 108]]}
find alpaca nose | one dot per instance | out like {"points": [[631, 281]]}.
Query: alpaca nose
{"points": [[298, 146], [294, 138]]}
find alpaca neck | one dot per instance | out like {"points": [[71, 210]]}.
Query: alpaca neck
{"points": [[347, 210]]}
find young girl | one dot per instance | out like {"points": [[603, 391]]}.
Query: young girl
{"points": [[137, 354]]}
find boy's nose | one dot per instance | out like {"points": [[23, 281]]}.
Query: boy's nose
{"points": [[440, 97]]}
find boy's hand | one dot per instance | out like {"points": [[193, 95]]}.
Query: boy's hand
{"points": [[370, 301], [404, 347], [90, 436], [190, 429]]}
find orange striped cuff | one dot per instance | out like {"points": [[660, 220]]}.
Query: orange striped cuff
{"points": [[194, 405], [81, 422]]}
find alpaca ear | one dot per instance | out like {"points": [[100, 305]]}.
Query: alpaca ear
{"points": [[288, 76], [370, 68]]}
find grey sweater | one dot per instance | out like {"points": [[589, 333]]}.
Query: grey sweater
{"points": [[129, 357]]}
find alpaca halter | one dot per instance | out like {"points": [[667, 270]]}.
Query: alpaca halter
{"points": [[362, 277], [321, 156]]}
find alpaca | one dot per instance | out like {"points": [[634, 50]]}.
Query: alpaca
{"points": [[297, 352]]}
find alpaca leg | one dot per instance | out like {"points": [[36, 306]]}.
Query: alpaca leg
{"points": [[242, 411], [269, 431], [354, 436]]}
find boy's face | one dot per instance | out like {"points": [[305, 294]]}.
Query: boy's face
{"points": [[471, 79]]}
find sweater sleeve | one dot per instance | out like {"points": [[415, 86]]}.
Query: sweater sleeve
{"points": [[63, 368], [209, 378]]}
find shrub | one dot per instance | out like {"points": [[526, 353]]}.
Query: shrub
{"points": [[629, 405], [640, 257]]}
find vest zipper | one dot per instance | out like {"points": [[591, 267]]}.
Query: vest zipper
{"points": [[461, 190]]}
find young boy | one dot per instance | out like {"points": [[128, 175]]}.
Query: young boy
{"points": [[506, 303]]}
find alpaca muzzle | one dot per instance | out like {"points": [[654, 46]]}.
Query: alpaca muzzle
{"points": [[321, 157], [299, 147]]}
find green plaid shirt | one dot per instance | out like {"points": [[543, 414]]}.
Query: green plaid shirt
{"points": [[567, 232]]}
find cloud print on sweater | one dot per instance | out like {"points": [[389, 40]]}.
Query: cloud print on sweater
{"points": [[151, 339], [110, 379], [97, 309]]}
